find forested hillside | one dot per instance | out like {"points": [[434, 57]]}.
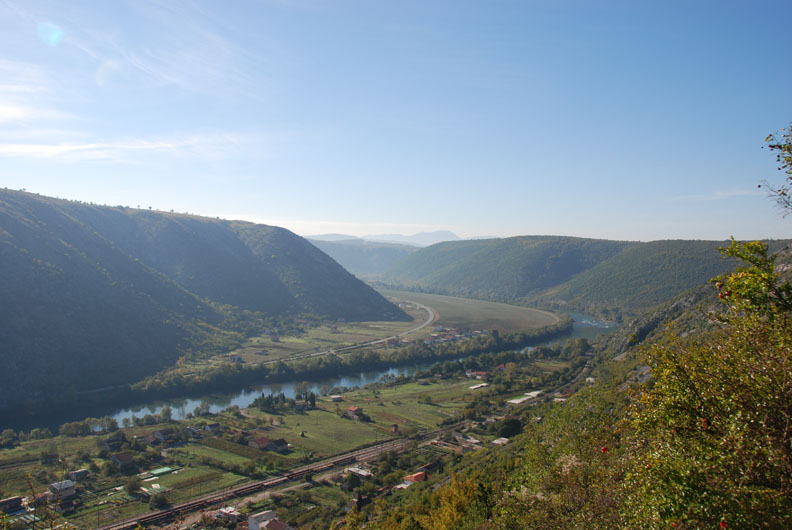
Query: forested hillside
{"points": [[641, 276], [96, 296], [503, 269], [364, 258], [609, 278]]}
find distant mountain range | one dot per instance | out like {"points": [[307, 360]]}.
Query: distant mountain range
{"points": [[420, 239], [94, 296], [365, 259]]}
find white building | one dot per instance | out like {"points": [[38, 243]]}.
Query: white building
{"points": [[258, 521]]}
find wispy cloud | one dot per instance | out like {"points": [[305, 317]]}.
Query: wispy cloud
{"points": [[204, 146], [26, 98], [181, 48], [15, 113], [719, 195]]}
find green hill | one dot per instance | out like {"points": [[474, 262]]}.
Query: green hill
{"points": [[503, 269], [609, 278], [96, 296], [641, 277]]}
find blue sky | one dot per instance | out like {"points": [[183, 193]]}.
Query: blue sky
{"points": [[621, 120]]}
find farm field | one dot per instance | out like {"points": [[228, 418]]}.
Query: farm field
{"points": [[328, 336], [457, 312]]}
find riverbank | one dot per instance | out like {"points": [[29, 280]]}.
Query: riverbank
{"points": [[184, 390]]}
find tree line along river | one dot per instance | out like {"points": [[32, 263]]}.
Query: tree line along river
{"points": [[584, 326]]}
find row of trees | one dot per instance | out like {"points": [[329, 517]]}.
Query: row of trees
{"points": [[229, 376]]}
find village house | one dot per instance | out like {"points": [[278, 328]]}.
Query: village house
{"points": [[421, 476], [148, 440], [228, 513], [125, 460], [359, 471], [267, 520], [165, 435], [465, 440], [355, 413], [409, 480], [456, 449], [114, 442], [62, 490], [11, 505], [78, 475], [193, 432], [472, 374], [336, 398], [256, 521], [267, 444]]}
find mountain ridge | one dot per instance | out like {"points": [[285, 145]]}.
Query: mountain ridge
{"points": [[613, 279], [98, 296]]}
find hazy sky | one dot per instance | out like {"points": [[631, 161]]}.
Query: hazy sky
{"points": [[625, 120]]}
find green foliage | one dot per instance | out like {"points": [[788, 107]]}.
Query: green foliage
{"points": [[132, 485], [641, 277], [781, 144], [508, 428], [756, 287], [159, 501], [712, 438]]}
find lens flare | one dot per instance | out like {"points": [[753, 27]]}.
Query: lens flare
{"points": [[50, 33]]}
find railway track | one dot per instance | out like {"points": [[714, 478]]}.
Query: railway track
{"points": [[359, 455]]}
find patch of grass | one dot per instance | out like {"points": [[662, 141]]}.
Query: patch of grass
{"points": [[193, 451], [327, 433]]}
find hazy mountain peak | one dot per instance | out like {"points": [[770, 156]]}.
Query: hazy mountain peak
{"points": [[422, 239]]}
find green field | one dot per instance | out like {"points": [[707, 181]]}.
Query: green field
{"points": [[327, 336], [455, 312]]}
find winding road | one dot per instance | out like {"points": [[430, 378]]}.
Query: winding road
{"points": [[432, 316]]}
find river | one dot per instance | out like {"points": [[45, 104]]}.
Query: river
{"points": [[584, 326]]}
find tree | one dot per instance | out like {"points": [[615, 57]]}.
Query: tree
{"points": [[756, 287], [159, 501], [781, 144], [133, 484], [8, 438], [509, 428]]}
